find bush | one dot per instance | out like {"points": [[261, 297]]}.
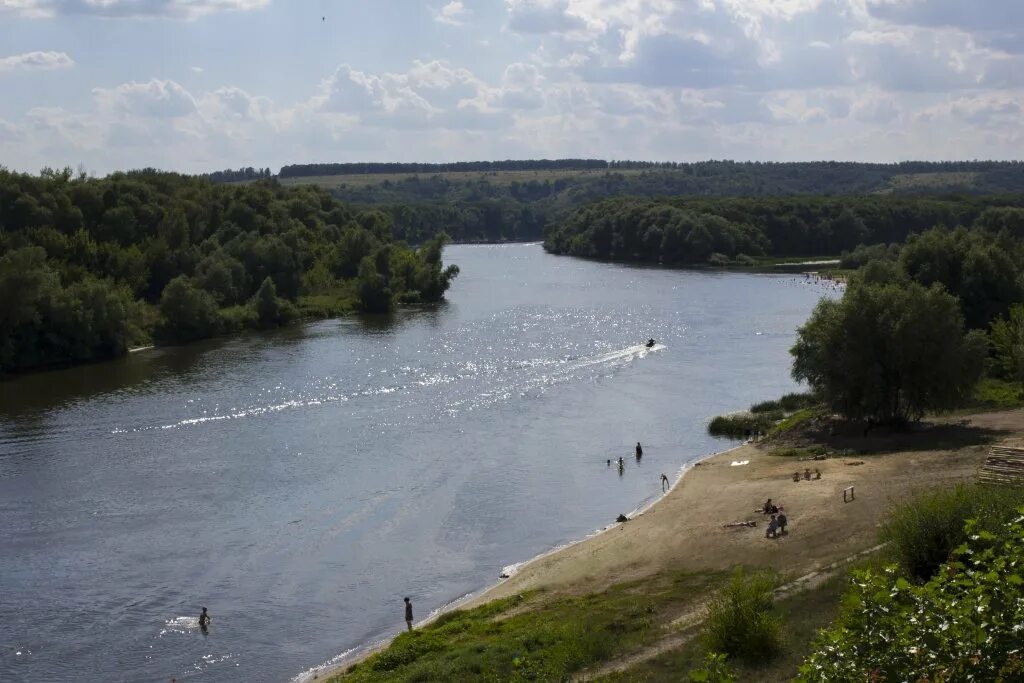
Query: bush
{"points": [[962, 625], [997, 394], [713, 670], [739, 425], [788, 403], [923, 532], [740, 619]]}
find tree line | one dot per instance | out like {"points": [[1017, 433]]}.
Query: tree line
{"points": [[237, 175], [89, 267], [366, 168], [552, 197], [695, 231]]}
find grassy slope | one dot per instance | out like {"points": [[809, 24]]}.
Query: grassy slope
{"points": [[534, 637], [802, 614]]}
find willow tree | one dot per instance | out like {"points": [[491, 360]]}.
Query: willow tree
{"points": [[889, 352]]}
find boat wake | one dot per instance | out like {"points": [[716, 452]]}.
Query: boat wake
{"points": [[526, 378]]}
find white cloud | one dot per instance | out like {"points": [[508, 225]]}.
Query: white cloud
{"points": [[542, 16], [36, 61], [174, 9], [453, 14], [197, 69], [154, 99]]}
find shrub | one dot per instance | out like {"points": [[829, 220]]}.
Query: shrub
{"points": [[923, 532], [713, 670], [741, 622], [738, 424], [766, 407], [962, 625], [788, 403]]}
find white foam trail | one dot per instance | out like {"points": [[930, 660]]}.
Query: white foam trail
{"points": [[620, 356]]}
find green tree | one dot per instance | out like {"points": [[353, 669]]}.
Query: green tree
{"points": [[271, 311], [888, 353], [375, 295], [189, 313], [1007, 338]]}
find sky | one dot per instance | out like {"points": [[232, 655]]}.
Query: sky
{"points": [[203, 85]]}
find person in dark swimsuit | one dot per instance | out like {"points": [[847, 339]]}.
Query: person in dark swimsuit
{"points": [[639, 451], [204, 620], [408, 613]]}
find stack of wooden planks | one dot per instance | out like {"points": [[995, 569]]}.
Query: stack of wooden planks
{"points": [[1004, 465]]}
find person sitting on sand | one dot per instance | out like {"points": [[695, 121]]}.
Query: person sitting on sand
{"points": [[773, 526], [807, 473], [796, 476], [767, 507], [781, 521], [817, 473]]}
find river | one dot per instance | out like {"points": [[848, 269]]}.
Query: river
{"points": [[300, 483]]}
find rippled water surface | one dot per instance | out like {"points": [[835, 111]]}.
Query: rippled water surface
{"points": [[300, 483]]}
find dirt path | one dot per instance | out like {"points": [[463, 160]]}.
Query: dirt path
{"points": [[687, 626]]}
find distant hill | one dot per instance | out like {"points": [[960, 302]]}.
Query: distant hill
{"points": [[519, 200]]}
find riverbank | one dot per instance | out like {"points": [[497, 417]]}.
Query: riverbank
{"points": [[684, 530]]}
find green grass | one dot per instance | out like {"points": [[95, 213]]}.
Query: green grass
{"points": [[529, 637], [791, 422], [738, 425], [771, 418], [799, 452], [327, 304], [801, 614], [997, 394]]}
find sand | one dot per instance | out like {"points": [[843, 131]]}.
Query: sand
{"points": [[684, 529]]}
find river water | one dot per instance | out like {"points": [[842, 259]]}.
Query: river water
{"points": [[300, 483]]}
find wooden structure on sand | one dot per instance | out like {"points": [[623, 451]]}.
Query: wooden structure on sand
{"points": [[1004, 465]]}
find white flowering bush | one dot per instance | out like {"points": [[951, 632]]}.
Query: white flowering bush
{"points": [[965, 624]]}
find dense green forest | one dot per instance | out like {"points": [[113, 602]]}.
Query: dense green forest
{"points": [[694, 231], [89, 267], [522, 198]]}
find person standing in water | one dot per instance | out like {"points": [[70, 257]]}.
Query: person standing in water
{"points": [[204, 621], [664, 482], [639, 451], [408, 614]]}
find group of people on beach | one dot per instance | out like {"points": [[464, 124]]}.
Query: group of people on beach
{"points": [[807, 474], [777, 522]]}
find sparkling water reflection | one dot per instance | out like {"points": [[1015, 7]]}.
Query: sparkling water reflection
{"points": [[299, 483]]}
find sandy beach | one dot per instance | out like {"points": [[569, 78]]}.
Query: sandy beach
{"points": [[684, 529]]}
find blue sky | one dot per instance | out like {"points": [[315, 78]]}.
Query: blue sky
{"points": [[200, 85]]}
